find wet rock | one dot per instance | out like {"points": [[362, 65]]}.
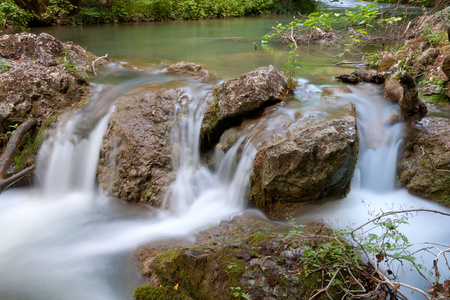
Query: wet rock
{"points": [[189, 69], [303, 155], [310, 163], [243, 96], [360, 76], [348, 78], [244, 255], [424, 167], [135, 157], [403, 91], [428, 56]]}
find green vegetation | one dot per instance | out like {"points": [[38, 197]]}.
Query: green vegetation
{"points": [[292, 67], [4, 66], [11, 14], [147, 292], [353, 24], [64, 12], [69, 64]]}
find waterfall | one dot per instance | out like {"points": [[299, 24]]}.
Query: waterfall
{"points": [[379, 140], [65, 240], [373, 187]]}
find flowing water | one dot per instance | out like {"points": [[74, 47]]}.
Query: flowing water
{"points": [[65, 240]]}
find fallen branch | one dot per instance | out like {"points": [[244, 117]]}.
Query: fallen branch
{"points": [[5, 183], [12, 147], [98, 58]]}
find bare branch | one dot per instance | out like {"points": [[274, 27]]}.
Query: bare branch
{"points": [[98, 59], [5, 183], [12, 147]]}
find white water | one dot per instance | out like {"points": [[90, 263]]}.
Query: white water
{"points": [[65, 240], [373, 188]]}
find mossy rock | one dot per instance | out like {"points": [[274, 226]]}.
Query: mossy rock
{"points": [[241, 258], [147, 292]]}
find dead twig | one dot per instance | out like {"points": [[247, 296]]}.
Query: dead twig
{"points": [[98, 59]]}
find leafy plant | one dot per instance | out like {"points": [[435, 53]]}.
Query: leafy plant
{"points": [[14, 127], [4, 66], [292, 67], [9, 11], [436, 38], [359, 262], [59, 10], [236, 292]]}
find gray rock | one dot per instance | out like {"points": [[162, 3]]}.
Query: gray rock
{"points": [[428, 56], [243, 96], [135, 157]]}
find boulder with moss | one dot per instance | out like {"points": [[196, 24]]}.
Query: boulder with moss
{"points": [[424, 166], [40, 78], [244, 257]]}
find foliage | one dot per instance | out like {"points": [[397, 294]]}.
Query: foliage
{"points": [[9, 11], [4, 66], [353, 23], [60, 11], [13, 127], [69, 64], [336, 255], [436, 38], [291, 67], [236, 292]]}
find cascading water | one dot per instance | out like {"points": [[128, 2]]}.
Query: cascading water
{"points": [[67, 241], [373, 185]]}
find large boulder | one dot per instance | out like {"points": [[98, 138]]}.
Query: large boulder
{"points": [[424, 167], [243, 258], [303, 155], [40, 77], [135, 160], [243, 96]]}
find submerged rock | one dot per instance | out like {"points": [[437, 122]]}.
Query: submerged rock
{"points": [[424, 167], [240, 97], [135, 157], [190, 69]]}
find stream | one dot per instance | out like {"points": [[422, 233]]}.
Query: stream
{"points": [[64, 239]]}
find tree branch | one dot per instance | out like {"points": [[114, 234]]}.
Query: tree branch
{"points": [[5, 183], [98, 59], [12, 147]]}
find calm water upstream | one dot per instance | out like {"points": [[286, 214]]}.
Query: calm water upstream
{"points": [[61, 242]]}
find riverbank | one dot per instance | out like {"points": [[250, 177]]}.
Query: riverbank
{"points": [[21, 13]]}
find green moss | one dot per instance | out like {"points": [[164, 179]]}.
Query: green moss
{"points": [[147, 292], [439, 98]]}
